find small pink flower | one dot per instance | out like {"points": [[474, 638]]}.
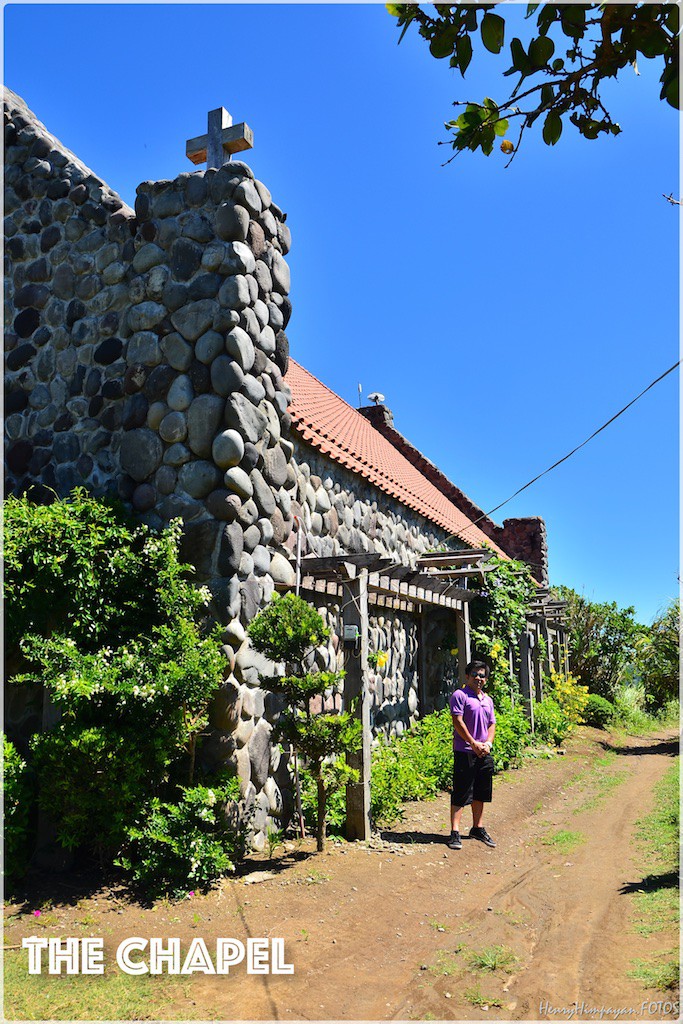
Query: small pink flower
{"points": [[191, 893], [36, 913]]}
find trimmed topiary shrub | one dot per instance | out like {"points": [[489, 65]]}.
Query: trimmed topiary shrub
{"points": [[598, 711]]}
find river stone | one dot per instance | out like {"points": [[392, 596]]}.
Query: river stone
{"points": [[223, 505], [261, 557], [230, 550], [143, 348], [145, 315], [275, 466], [234, 633], [263, 495], [199, 478], [238, 344], [177, 455], [232, 222], [234, 293], [165, 479], [238, 259], [259, 753], [226, 375], [281, 570], [266, 531], [180, 393], [140, 454], [148, 256], [280, 274], [208, 347], [155, 414], [244, 417], [251, 456], [173, 427], [226, 706], [253, 389], [238, 481], [252, 537], [246, 195], [186, 258], [203, 421], [227, 449], [177, 352], [193, 319], [248, 513]]}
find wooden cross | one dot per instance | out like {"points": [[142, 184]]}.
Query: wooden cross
{"points": [[222, 140]]}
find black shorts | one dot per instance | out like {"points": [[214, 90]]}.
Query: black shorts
{"points": [[472, 778]]}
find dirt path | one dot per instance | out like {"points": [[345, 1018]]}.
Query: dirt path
{"points": [[387, 930]]}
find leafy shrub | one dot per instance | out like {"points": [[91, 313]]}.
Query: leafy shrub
{"points": [[512, 734], [335, 810], [598, 711], [572, 697], [287, 629], [551, 723], [187, 844], [18, 797]]}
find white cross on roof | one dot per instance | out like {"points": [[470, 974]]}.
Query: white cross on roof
{"points": [[222, 140]]}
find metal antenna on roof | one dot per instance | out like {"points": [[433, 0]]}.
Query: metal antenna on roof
{"points": [[360, 395]]}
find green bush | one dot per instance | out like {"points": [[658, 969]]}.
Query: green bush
{"points": [[187, 844], [512, 734], [18, 797], [551, 723], [598, 711]]}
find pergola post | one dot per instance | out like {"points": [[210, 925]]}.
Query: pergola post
{"points": [[462, 631], [355, 613], [526, 675]]}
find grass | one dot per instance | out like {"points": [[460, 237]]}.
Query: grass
{"points": [[447, 963], [493, 958], [109, 996], [475, 997], [656, 907], [564, 841], [601, 786]]}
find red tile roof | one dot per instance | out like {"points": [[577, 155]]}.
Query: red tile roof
{"points": [[326, 422]]}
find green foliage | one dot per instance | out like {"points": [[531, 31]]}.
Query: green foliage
{"points": [[658, 654], [560, 68], [602, 641], [287, 629], [186, 844], [598, 711], [105, 619], [551, 723], [18, 797], [498, 618], [337, 775], [512, 734]]}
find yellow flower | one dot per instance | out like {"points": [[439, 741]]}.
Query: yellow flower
{"points": [[382, 659]]}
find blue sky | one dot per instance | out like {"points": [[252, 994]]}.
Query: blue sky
{"points": [[504, 314]]}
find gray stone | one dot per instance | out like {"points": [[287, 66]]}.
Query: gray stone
{"points": [[261, 557], [173, 428], [155, 414], [194, 319], [227, 449], [208, 347], [275, 466], [261, 313], [231, 548], [248, 513], [238, 344], [282, 570], [280, 274], [237, 481], [275, 317], [266, 530], [253, 389], [180, 393], [165, 479], [140, 453], [241, 415], [145, 315], [232, 222], [246, 195], [198, 478], [144, 498], [226, 375], [252, 537], [238, 259], [263, 495], [234, 293], [203, 421], [267, 340], [177, 352], [226, 706], [250, 324], [148, 256], [177, 455], [186, 258], [264, 193], [223, 505], [259, 753], [144, 348]]}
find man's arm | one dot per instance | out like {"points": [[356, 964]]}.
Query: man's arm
{"points": [[489, 738]]}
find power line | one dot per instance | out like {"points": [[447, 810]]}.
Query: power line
{"points": [[564, 458]]}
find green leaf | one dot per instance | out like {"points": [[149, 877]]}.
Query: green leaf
{"points": [[558, 65], [541, 50], [520, 61], [463, 53], [671, 93], [547, 94], [552, 128], [493, 32], [531, 8], [443, 42], [500, 127]]}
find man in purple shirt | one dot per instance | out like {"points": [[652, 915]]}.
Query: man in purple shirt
{"points": [[474, 726]]}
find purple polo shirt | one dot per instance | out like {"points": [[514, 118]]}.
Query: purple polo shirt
{"points": [[477, 714]]}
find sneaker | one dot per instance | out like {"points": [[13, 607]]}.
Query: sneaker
{"points": [[454, 842], [482, 835]]}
